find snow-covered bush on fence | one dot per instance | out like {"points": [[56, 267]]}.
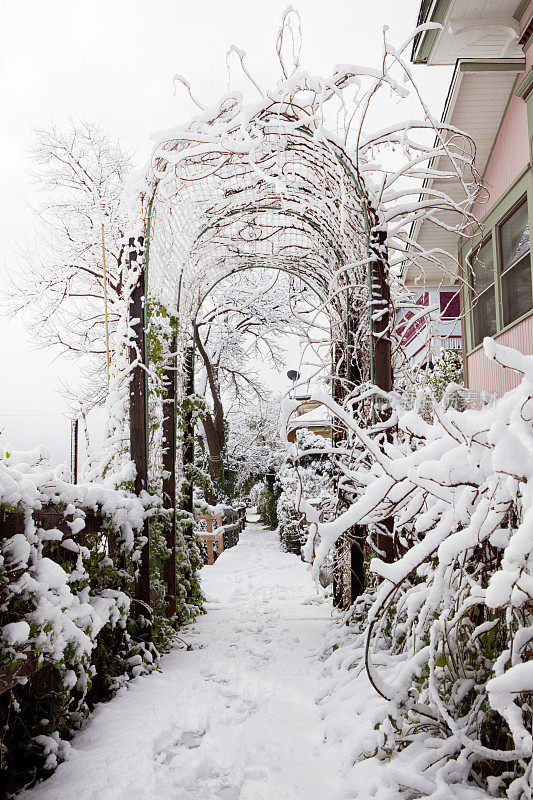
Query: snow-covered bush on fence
{"points": [[114, 464], [445, 632], [189, 598], [65, 600]]}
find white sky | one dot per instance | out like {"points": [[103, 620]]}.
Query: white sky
{"points": [[112, 62]]}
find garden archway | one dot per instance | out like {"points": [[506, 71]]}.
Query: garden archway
{"points": [[263, 187]]}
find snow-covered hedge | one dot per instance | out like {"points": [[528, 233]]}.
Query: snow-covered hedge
{"points": [[65, 597], [444, 634]]}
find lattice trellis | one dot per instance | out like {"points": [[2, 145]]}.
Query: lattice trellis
{"points": [[288, 202], [268, 185]]}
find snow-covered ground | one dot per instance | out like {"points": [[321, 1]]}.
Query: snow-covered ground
{"points": [[234, 718]]}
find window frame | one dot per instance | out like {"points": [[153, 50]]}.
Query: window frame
{"points": [[501, 272], [521, 191], [488, 238], [499, 226], [474, 296]]}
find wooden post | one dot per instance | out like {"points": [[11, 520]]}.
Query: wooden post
{"points": [[340, 372], [355, 538], [357, 562], [380, 308], [169, 482], [188, 426], [337, 576], [139, 414], [74, 426]]}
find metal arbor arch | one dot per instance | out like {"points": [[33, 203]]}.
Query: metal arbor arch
{"points": [[266, 189]]}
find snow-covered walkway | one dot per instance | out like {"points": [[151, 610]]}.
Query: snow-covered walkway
{"points": [[233, 719]]}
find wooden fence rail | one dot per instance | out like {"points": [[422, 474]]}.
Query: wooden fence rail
{"points": [[222, 530]]}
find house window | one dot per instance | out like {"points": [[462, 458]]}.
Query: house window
{"points": [[515, 265], [450, 305], [483, 294], [409, 332], [499, 270]]}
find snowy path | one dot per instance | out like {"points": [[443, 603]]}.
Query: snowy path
{"points": [[235, 718]]}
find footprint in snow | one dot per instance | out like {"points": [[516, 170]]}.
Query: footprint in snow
{"points": [[191, 740], [228, 793]]}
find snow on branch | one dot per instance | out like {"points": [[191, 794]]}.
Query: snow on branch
{"points": [[445, 630], [296, 179]]}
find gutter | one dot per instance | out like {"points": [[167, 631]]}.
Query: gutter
{"points": [[424, 43]]}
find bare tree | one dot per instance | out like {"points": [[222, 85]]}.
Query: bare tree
{"points": [[59, 287], [240, 331]]}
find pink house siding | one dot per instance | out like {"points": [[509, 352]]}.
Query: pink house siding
{"points": [[485, 375], [529, 57], [510, 154], [509, 157]]}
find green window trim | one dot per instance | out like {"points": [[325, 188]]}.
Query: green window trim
{"points": [[521, 7], [525, 86], [520, 190]]}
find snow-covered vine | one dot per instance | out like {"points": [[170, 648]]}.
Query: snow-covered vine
{"points": [[445, 634]]}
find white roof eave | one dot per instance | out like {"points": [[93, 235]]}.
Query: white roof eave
{"points": [[486, 29], [473, 123]]}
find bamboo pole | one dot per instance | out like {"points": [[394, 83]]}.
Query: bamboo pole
{"points": [[105, 305], [74, 424]]}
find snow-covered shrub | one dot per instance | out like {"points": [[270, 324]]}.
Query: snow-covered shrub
{"points": [[264, 497], [310, 472], [447, 370], [443, 384], [189, 561], [446, 636], [64, 603]]}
